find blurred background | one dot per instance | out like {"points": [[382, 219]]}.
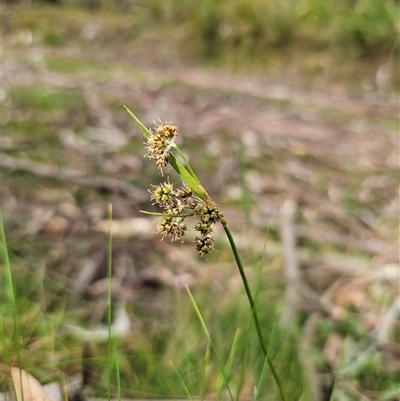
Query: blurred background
{"points": [[288, 112]]}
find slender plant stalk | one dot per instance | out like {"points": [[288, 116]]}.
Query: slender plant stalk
{"points": [[206, 362], [159, 144], [229, 364], [119, 388], [246, 286], [12, 298], [252, 306], [13, 302], [182, 381], [262, 377], [244, 364], [109, 296], [208, 335]]}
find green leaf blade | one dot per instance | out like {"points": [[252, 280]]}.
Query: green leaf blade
{"points": [[192, 182], [145, 130]]}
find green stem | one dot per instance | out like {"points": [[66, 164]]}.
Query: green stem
{"points": [[109, 298], [207, 333], [251, 302], [12, 299]]}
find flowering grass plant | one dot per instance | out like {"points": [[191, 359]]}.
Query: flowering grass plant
{"points": [[191, 200]]}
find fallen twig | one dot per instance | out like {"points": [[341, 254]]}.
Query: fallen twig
{"points": [[292, 273], [374, 246], [74, 176]]}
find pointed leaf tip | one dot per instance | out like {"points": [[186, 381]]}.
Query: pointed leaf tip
{"points": [[145, 130]]}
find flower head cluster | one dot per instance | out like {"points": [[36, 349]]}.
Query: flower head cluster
{"points": [[180, 204], [159, 144], [208, 214], [189, 201]]}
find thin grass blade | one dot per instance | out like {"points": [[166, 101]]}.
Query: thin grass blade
{"points": [[145, 130], [182, 381], [207, 333]]}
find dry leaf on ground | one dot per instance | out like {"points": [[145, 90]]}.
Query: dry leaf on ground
{"points": [[26, 387]]}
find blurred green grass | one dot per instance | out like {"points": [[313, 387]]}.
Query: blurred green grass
{"points": [[307, 41], [145, 360]]}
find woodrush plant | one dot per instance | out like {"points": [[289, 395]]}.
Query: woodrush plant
{"points": [[191, 200]]}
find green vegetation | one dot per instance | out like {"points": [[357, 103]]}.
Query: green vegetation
{"points": [[308, 42], [144, 363], [243, 80]]}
